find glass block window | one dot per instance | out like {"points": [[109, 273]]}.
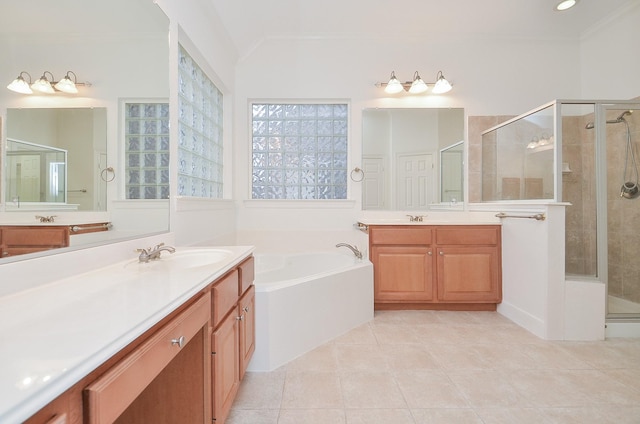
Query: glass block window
{"points": [[299, 151], [146, 150], [200, 132]]}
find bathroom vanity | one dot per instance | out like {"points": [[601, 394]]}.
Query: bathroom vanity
{"points": [[164, 341], [455, 267]]}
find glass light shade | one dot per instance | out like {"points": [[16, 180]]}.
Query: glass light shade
{"points": [[418, 86], [566, 4], [43, 85], [442, 85], [393, 86], [66, 85], [19, 85]]}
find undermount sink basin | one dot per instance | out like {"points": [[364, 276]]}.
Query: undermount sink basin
{"points": [[182, 259]]}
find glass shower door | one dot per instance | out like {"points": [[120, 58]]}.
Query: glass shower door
{"points": [[620, 128]]}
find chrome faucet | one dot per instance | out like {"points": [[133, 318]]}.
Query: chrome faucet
{"points": [[354, 249], [417, 218], [152, 254]]}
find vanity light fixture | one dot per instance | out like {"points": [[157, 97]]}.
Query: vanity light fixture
{"points": [[43, 85], [417, 86], [46, 84], [19, 85], [442, 85], [66, 85], [394, 85]]}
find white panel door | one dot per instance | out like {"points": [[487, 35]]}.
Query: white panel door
{"points": [[373, 183], [415, 181], [452, 176]]}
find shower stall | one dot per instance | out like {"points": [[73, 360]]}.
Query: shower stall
{"points": [[583, 153]]}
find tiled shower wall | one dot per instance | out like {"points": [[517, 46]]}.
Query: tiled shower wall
{"points": [[623, 214]]}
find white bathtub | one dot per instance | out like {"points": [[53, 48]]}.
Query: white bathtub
{"points": [[304, 300]]}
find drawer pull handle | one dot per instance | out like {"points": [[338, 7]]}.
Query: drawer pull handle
{"points": [[179, 341], [246, 309]]}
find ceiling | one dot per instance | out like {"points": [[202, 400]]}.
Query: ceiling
{"points": [[250, 22]]}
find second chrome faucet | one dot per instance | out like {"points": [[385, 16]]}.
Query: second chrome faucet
{"points": [[151, 254], [354, 249]]}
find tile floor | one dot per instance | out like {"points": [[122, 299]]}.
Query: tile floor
{"points": [[417, 367]]}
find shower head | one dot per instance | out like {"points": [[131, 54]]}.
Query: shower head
{"points": [[620, 117]]}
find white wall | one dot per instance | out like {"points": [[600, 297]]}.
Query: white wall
{"points": [[609, 58], [489, 77]]}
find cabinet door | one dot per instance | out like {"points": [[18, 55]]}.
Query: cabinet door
{"points": [[469, 274], [403, 273], [226, 363], [247, 307]]}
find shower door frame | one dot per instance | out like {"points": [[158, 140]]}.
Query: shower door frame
{"points": [[602, 223]]}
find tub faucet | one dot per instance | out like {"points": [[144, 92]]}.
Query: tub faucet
{"points": [[152, 254], [354, 249]]}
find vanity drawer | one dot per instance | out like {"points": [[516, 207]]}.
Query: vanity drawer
{"points": [[111, 394], [468, 235], [225, 296], [247, 275], [396, 234]]}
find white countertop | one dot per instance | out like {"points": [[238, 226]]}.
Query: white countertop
{"points": [[54, 335]]}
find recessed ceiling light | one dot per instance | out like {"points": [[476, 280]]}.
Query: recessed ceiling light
{"points": [[566, 4]]}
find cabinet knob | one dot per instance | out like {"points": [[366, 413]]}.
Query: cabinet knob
{"points": [[240, 318], [246, 309], [441, 253], [430, 253], [179, 341]]}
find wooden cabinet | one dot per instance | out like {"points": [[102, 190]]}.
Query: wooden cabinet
{"points": [[162, 380], [185, 369], [22, 239], [18, 240], [233, 338], [436, 267]]}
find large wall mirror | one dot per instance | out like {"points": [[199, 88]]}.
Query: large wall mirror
{"points": [[409, 156], [64, 154]]}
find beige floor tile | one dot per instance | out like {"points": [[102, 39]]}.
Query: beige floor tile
{"points": [[602, 389], [312, 389], [437, 334], [459, 357], [312, 416], [379, 416], [409, 357], [322, 358], [261, 390], [552, 356], [487, 389], [547, 388], [445, 416], [253, 416], [504, 356], [511, 416], [429, 389], [394, 334], [415, 367], [628, 377], [368, 389], [359, 335], [356, 357]]}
